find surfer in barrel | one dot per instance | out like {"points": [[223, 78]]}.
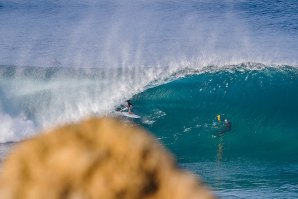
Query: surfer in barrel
{"points": [[128, 106]]}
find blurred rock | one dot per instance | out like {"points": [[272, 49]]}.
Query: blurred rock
{"points": [[95, 159]]}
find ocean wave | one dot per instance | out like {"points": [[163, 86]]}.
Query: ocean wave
{"points": [[49, 96], [260, 102]]}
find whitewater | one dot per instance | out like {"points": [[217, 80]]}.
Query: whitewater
{"points": [[181, 64]]}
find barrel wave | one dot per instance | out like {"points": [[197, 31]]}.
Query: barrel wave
{"points": [[257, 158], [260, 103]]}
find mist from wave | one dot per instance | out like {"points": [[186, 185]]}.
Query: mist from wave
{"points": [[139, 33], [33, 98]]}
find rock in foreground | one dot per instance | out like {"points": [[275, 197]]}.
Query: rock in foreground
{"points": [[95, 159]]}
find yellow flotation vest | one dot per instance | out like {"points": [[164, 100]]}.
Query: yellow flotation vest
{"points": [[218, 118]]}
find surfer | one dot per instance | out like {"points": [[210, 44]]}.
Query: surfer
{"points": [[128, 106], [125, 109]]}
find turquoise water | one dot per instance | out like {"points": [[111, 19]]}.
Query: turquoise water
{"points": [[248, 178], [258, 157], [261, 105]]}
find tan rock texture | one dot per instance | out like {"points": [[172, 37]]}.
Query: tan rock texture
{"points": [[96, 159]]}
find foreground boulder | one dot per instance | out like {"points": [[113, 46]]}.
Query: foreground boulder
{"points": [[95, 159]]}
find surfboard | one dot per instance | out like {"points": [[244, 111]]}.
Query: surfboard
{"points": [[131, 115], [126, 114]]}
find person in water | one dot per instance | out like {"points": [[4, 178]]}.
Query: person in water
{"points": [[228, 125], [217, 121], [218, 118], [226, 128]]}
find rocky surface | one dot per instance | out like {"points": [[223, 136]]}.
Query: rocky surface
{"points": [[96, 159]]}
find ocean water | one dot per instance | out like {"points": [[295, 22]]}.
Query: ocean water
{"points": [[258, 156], [181, 63]]}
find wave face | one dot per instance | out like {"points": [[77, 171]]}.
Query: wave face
{"points": [[260, 103], [258, 157]]}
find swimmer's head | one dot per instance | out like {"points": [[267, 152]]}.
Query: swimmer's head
{"points": [[226, 121]]}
